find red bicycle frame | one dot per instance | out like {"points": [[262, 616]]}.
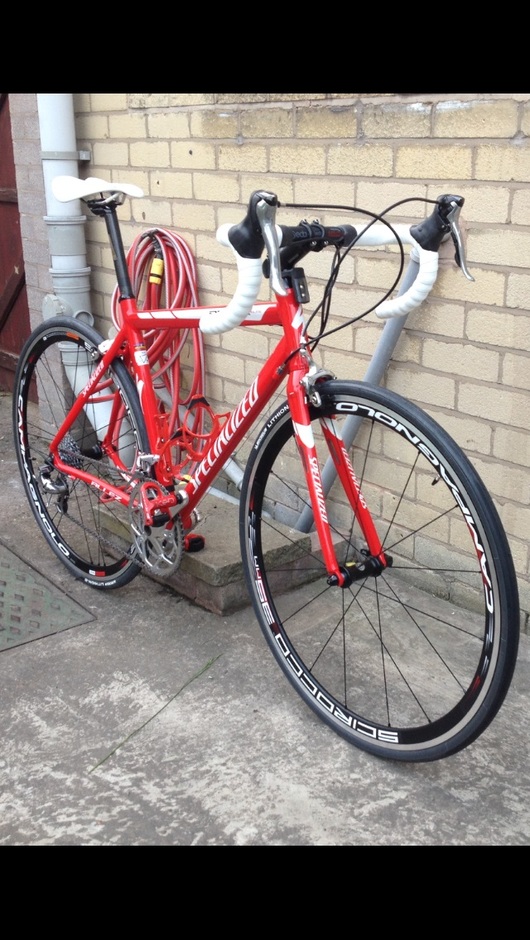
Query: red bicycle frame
{"points": [[287, 360]]}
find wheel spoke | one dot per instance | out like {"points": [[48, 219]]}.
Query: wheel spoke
{"points": [[402, 662], [88, 532]]}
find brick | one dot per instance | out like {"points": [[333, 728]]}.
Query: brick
{"points": [[343, 365], [81, 103], [487, 402], [525, 120], [209, 284], [511, 483], [377, 196], [518, 291], [512, 444], [247, 98], [438, 318], [421, 387], [487, 288], [360, 159], [113, 102], [461, 359], [240, 156], [171, 184], [520, 214], [150, 153], [472, 119], [22, 103], [303, 159], [516, 371], [471, 434], [194, 216], [208, 247], [342, 339], [501, 162], [408, 349], [169, 100], [326, 191], [503, 329], [127, 125], [377, 269], [215, 187], [154, 213], [268, 123], [92, 127], [171, 125], [232, 393], [327, 122], [443, 162], [396, 120], [351, 302], [227, 364], [318, 265], [366, 336], [246, 342], [108, 155], [193, 155], [140, 178], [499, 246], [214, 124]]}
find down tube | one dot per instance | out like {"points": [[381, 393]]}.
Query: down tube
{"points": [[238, 424]]}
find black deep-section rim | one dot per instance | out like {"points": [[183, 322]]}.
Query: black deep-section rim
{"points": [[47, 336], [430, 740]]}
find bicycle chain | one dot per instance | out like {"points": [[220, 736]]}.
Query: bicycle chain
{"points": [[132, 552]]}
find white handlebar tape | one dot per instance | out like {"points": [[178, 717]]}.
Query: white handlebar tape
{"points": [[250, 273], [399, 306]]}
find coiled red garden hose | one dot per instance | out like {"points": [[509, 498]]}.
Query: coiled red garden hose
{"points": [[163, 275]]}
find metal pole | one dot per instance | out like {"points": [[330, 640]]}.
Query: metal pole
{"points": [[374, 373]]}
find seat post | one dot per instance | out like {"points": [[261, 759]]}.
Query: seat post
{"points": [[108, 209]]}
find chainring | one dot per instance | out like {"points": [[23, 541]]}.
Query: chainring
{"points": [[159, 548]]}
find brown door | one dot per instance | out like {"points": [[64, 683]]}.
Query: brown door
{"points": [[14, 313]]}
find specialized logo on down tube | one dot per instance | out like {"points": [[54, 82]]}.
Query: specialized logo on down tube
{"points": [[226, 434]]}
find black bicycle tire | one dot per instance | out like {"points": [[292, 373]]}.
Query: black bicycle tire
{"points": [[112, 574], [470, 716]]}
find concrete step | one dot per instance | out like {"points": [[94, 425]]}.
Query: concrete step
{"points": [[213, 577]]}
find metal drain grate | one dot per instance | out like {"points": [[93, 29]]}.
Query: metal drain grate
{"points": [[30, 606]]}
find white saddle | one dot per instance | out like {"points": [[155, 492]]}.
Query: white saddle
{"points": [[67, 188]]}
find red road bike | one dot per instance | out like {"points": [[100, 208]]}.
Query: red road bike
{"points": [[375, 559]]}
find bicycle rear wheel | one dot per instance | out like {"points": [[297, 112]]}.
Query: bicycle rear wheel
{"points": [[412, 664], [89, 532]]}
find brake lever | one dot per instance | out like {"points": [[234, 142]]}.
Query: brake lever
{"points": [[266, 213], [449, 209]]}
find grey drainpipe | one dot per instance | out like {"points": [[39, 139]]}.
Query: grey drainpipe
{"points": [[66, 223]]}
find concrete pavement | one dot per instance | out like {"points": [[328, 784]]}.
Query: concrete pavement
{"points": [[147, 720]]}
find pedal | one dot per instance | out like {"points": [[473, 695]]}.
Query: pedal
{"points": [[194, 542]]}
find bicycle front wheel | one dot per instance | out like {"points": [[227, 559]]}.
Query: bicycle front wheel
{"points": [[412, 664], [88, 531]]}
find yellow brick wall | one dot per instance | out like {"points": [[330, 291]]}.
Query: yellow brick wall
{"points": [[465, 356]]}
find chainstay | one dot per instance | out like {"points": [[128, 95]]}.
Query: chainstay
{"points": [[132, 552]]}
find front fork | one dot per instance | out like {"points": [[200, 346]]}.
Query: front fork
{"points": [[375, 560]]}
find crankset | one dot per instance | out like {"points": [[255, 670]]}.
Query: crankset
{"points": [[159, 545]]}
